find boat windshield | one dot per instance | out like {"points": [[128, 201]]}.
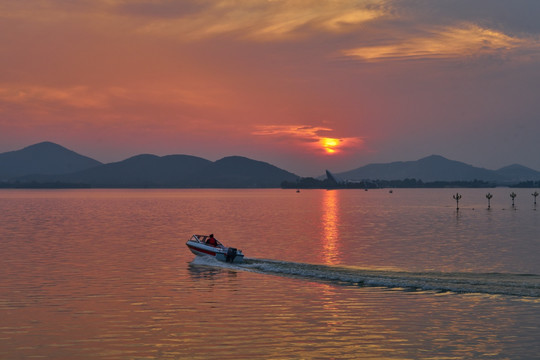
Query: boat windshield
{"points": [[199, 238], [202, 239]]}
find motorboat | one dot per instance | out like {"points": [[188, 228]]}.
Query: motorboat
{"points": [[202, 245]]}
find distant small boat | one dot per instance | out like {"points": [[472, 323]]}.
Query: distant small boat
{"points": [[198, 244]]}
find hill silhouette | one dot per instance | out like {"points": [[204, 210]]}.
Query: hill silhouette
{"points": [[42, 158], [439, 168], [183, 171], [518, 172], [49, 164], [238, 171], [140, 171]]}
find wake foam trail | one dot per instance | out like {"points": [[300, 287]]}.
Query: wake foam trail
{"points": [[489, 283], [205, 260]]}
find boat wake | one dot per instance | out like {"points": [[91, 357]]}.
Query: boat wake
{"points": [[486, 283]]}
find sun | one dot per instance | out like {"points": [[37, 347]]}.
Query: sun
{"points": [[329, 145]]}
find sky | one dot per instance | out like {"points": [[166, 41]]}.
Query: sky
{"points": [[305, 85]]}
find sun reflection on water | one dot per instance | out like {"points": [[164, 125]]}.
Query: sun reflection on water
{"points": [[330, 233]]}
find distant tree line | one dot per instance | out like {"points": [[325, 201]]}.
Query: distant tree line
{"points": [[527, 184], [42, 185], [312, 183]]}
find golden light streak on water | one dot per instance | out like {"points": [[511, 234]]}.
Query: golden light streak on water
{"points": [[330, 221]]}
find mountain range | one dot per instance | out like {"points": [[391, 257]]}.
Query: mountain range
{"points": [[438, 168], [50, 163]]}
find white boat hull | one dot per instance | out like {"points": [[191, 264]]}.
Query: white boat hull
{"points": [[220, 253]]}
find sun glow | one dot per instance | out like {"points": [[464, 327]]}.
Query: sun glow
{"points": [[311, 138], [329, 144]]}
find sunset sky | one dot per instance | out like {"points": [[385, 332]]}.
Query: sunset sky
{"points": [[306, 85]]}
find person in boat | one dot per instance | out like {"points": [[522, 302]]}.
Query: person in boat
{"points": [[211, 241]]}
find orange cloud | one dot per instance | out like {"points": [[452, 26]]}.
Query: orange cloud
{"points": [[84, 97], [311, 137], [443, 43], [270, 20], [298, 131], [74, 96]]}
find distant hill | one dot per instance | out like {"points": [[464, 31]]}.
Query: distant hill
{"points": [[42, 158], [518, 173], [237, 171], [182, 171], [438, 168], [138, 171]]}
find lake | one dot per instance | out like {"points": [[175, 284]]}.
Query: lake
{"points": [[339, 274]]}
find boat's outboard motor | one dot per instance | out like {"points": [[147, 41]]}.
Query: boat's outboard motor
{"points": [[231, 254]]}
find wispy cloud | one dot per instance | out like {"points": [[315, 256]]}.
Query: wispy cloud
{"points": [[449, 42], [305, 132], [268, 20], [84, 97], [75, 96]]}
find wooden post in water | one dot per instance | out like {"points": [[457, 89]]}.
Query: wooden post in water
{"points": [[457, 197], [535, 194], [489, 196], [513, 196]]}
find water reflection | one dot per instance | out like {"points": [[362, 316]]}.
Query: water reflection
{"points": [[330, 221], [199, 272], [97, 274], [330, 307]]}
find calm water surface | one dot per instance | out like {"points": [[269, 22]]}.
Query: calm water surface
{"points": [[345, 274]]}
